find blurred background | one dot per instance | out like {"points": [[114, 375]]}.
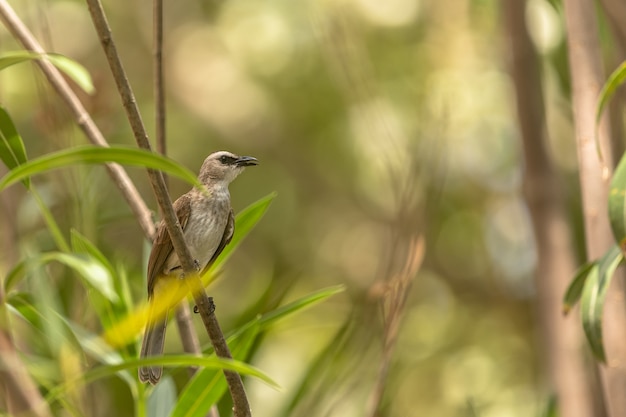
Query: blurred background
{"points": [[389, 131]]}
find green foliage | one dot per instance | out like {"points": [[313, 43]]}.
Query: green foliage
{"points": [[71, 68], [12, 151], [590, 286], [617, 191], [592, 280], [617, 203], [244, 223], [89, 154], [108, 290], [593, 296], [575, 289], [208, 386], [616, 79]]}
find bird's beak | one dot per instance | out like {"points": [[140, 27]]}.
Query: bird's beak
{"points": [[246, 161]]}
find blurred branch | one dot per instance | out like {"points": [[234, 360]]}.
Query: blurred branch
{"points": [[184, 322], [394, 298], [20, 391], [204, 304], [587, 78], [556, 262], [82, 117], [159, 81]]}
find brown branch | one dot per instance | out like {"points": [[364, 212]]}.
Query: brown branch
{"points": [[20, 392], [159, 81], [561, 337], [204, 304], [84, 121], [587, 78]]}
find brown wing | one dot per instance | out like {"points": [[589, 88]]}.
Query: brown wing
{"points": [[226, 238], [162, 246]]}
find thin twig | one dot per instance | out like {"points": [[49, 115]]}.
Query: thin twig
{"points": [[188, 335], [159, 80], [83, 119], [205, 305], [394, 300]]}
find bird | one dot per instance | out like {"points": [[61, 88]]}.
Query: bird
{"points": [[208, 224]]}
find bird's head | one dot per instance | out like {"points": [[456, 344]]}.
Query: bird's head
{"points": [[223, 167]]}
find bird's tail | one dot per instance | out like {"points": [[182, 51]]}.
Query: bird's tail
{"points": [[153, 341]]}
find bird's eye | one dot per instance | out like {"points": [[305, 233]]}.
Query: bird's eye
{"points": [[224, 159]]}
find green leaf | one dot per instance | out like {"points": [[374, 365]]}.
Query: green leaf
{"points": [[21, 305], [244, 223], [12, 150], [71, 68], [616, 79], [208, 385], [89, 154], [166, 360], [593, 297], [575, 289], [15, 275], [44, 319], [96, 348], [617, 203], [300, 304], [92, 272], [80, 244]]}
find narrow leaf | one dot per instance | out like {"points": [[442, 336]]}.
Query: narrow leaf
{"points": [[616, 79], [171, 360], [208, 385], [244, 223], [593, 297], [617, 203], [12, 150], [93, 273], [89, 154], [300, 304], [575, 289], [71, 68], [80, 244]]}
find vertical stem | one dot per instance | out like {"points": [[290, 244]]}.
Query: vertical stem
{"points": [[587, 78], [187, 333], [561, 336], [159, 81]]}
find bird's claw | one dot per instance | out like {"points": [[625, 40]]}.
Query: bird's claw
{"points": [[196, 264], [196, 310]]}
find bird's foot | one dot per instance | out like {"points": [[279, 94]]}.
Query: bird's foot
{"points": [[196, 264], [196, 310]]}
